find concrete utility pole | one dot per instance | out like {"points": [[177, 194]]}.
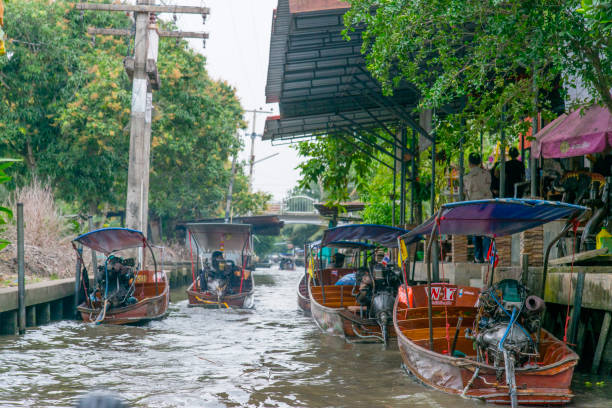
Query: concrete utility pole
{"points": [[253, 136], [142, 69]]}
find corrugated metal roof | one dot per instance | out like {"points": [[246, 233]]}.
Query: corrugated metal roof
{"points": [[320, 79]]}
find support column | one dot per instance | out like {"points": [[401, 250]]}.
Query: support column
{"points": [[426, 122], [502, 159], [461, 171], [414, 151], [136, 217], [31, 316], [460, 248], [9, 322], [43, 313], [403, 173], [534, 131]]}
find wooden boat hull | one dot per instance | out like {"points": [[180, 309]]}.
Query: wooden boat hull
{"points": [[244, 300], [302, 294], [547, 384], [343, 322], [149, 308]]}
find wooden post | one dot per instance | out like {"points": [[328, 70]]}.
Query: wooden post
{"points": [[77, 282], [603, 335], [21, 270], [137, 183], [94, 259], [143, 71]]}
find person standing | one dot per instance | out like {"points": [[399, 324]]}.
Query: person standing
{"points": [[476, 187], [515, 172]]}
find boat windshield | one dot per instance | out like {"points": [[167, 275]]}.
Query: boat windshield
{"points": [[494, 217]]}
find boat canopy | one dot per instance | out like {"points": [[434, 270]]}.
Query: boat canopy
{"points": [[383, 235], [351, 244], [108, 240], [214, 236], [493, 217]]}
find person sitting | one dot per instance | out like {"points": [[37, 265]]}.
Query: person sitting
{"points": [[220, 269], [338, 260]]}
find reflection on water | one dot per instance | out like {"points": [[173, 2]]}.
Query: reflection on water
{"points": [[269, 356]]}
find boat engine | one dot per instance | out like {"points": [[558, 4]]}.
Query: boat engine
{"points": [[378, 295], [508, 322], [119, 290], [218, 277]]}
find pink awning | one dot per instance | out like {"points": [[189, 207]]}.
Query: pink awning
{"points": [[581, 132]]}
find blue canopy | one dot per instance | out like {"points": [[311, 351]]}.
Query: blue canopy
{"points": [[107, 240], [495, 217], [351, 244], [383, 235]]}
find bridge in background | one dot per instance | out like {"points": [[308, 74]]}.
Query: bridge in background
{"points": [[297, 210], [302, 209]]}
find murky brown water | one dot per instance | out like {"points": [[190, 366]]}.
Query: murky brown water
{"points": [[272, 356]]}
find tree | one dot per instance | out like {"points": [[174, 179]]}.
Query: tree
{"points": [[65, 108], [493, 55], [36, 78]]}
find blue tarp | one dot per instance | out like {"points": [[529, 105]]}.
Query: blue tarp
{"points": [[495, 217], [107, 240], [348, 279], [383, 235]]}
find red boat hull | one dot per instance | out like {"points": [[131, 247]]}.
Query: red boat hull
{"points": [[545, 383], [336, 312], [152, 303]]}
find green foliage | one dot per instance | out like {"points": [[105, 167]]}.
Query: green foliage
{"points": [[263, 245], [65, 109], [6, 214], [597, 12], [301, 234], [338, 165], [486, 53]]}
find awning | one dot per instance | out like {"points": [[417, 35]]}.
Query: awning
{"points": [[582, 132], [319, 78], [496, 217], [220, 237], [260, 224], [107, 240], [383, 235]]}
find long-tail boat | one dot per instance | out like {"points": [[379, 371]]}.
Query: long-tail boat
{"points": [[505, 356], [302, 294], [224, 283], [303, 298], [123, 292], [359, 310]]}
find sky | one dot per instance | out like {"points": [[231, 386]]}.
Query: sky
{"points": [[237, 52]]}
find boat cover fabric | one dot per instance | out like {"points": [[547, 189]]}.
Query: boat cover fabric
{"points": [[107, 240], [351, 244], [348, 279], [219, 236], [584, 131], [494, 217], [381, 234]]}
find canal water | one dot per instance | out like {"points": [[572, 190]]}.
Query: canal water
{"points": [[272, 356]]}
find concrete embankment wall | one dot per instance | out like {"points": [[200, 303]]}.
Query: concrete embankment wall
{"points": [[54, 300]]}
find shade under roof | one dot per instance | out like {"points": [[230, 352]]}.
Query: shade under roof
{"points": [[320, 79]]}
